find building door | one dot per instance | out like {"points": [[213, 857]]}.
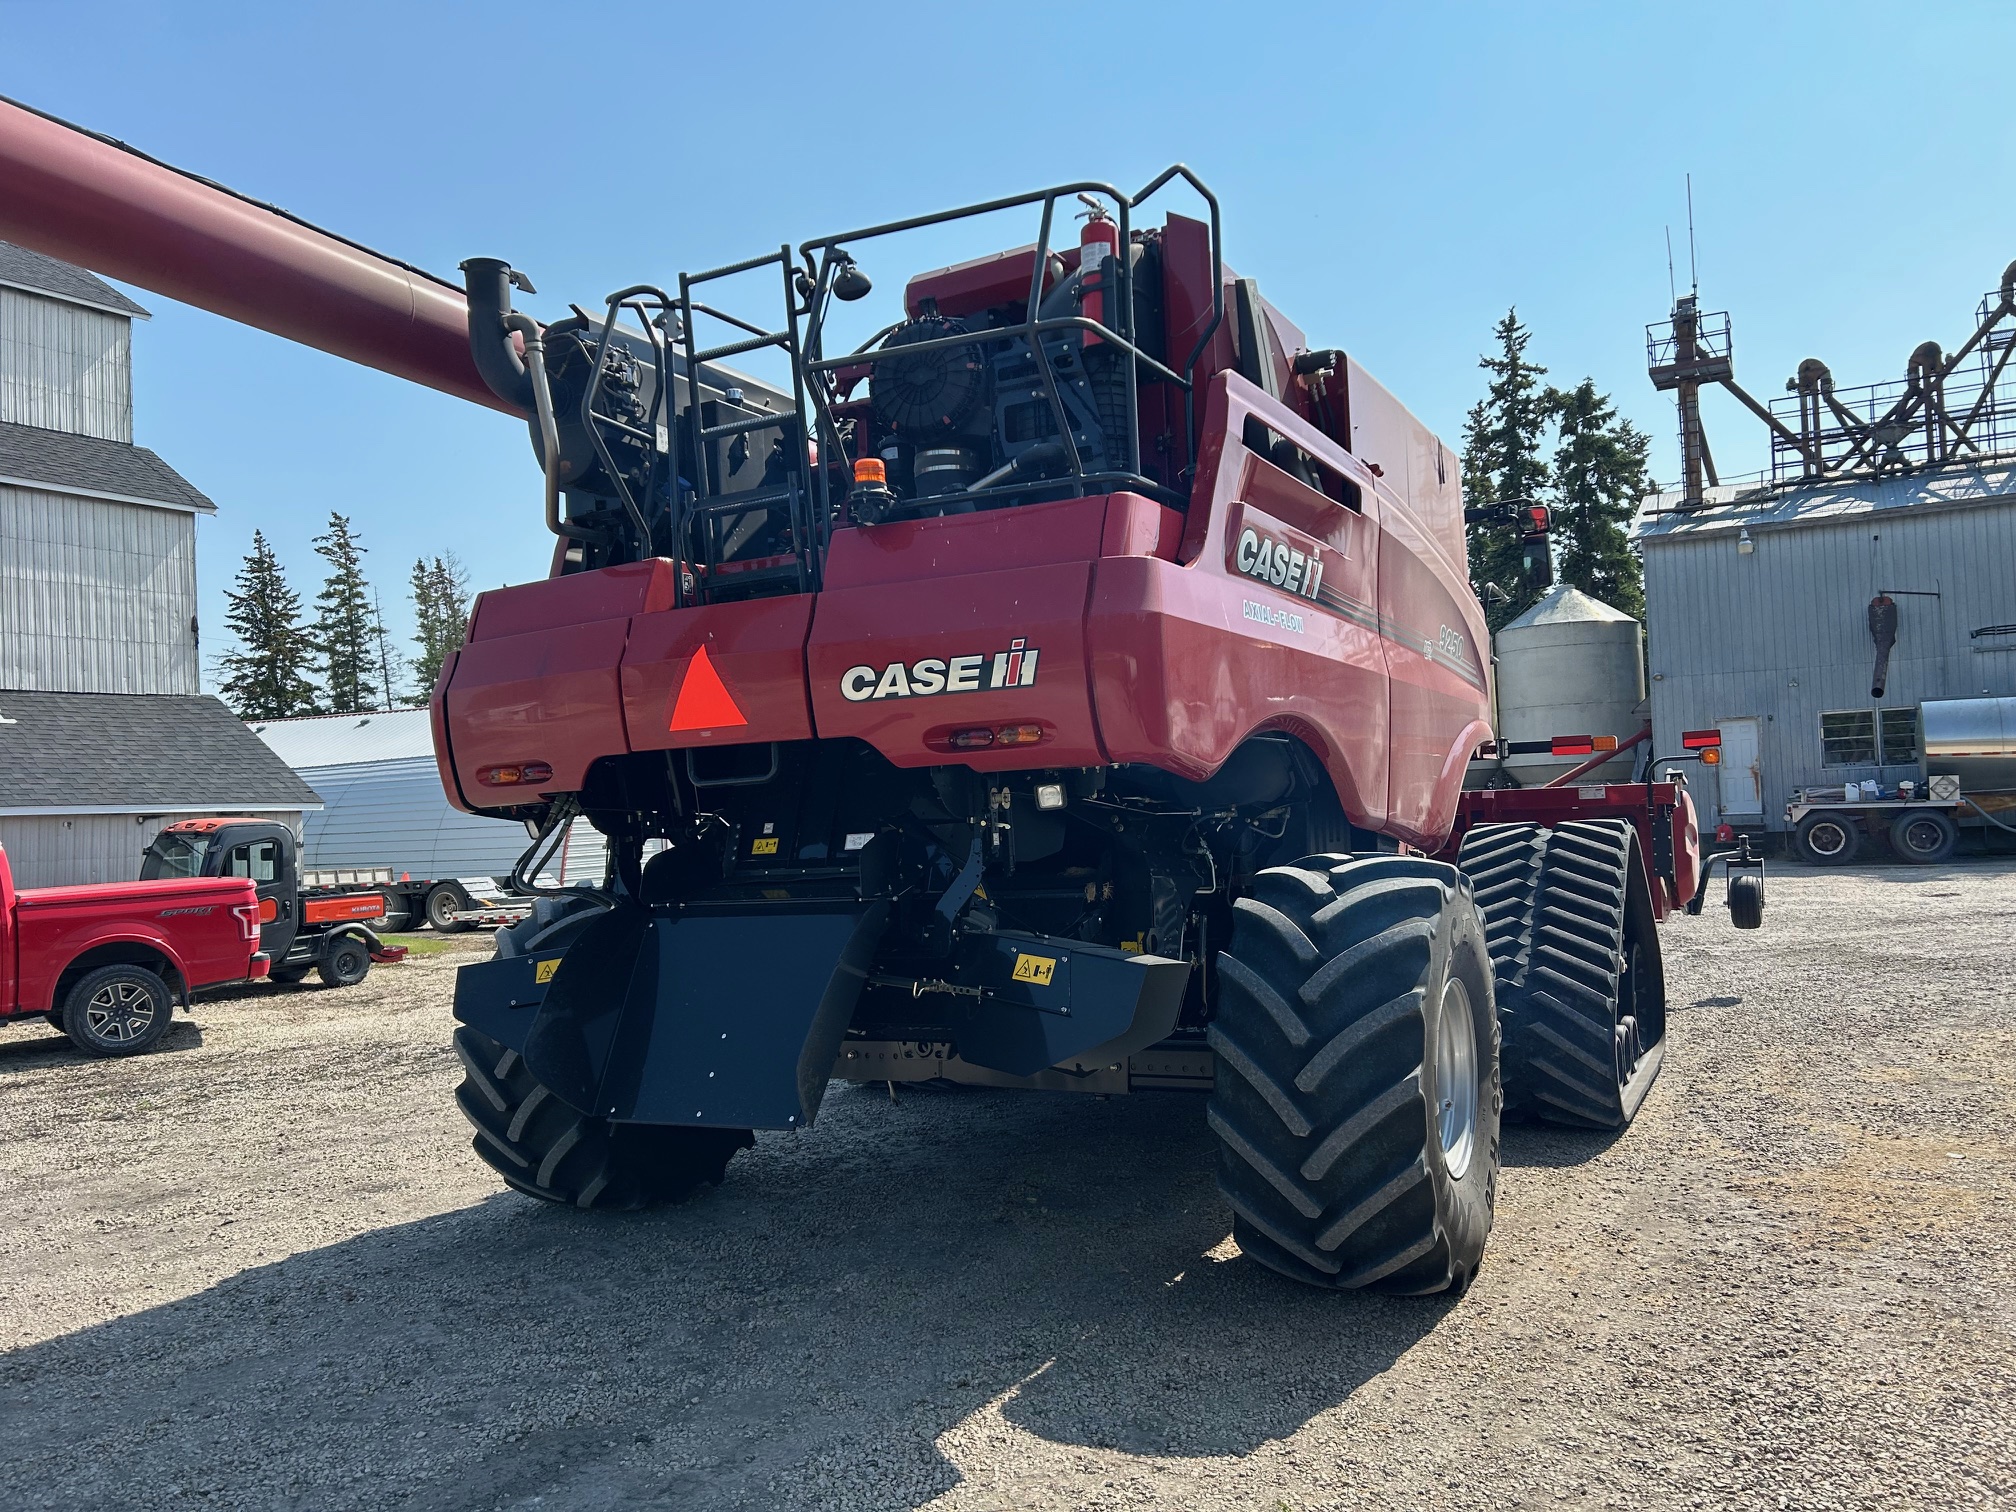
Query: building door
{"points": [[1742, 777]]}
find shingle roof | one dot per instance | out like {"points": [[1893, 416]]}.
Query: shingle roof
{"points": [[47, 275], [132, 752], [87, 464]]}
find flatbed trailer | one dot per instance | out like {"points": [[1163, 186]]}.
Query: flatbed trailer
{"points": [[1828, 829]]}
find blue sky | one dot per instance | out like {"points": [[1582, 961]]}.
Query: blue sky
{"points": [[1394, 175]]}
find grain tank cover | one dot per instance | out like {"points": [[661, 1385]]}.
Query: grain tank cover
{"points": [[1570, 665]]}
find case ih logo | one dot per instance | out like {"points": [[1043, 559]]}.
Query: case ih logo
{"points": [[1290, 568], [1013, 668]]}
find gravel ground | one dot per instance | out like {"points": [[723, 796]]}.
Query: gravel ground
{"points": [[261, 1269]]}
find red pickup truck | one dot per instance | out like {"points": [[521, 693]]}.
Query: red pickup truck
{"points": [[106, 963]]}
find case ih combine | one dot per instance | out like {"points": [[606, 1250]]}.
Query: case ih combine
{"points": [[1069, 686]]}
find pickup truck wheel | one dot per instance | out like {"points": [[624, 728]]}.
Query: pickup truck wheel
{"points": [[1357, 1097], [117, 1010], [1923, 837], [545, 1149], [345, 963], [1828, 839], [443, 903], [1580, 986]]}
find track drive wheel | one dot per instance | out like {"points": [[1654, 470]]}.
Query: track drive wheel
{"points": [[546, 1149], [1580, 984], [1357, 1099]]}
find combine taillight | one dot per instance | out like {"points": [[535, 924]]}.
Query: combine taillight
{"points": [[1700, 740], [1576, 745], [513, 776]]}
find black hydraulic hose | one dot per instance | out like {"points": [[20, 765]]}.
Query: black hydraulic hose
{"points": [[2011, 828]]}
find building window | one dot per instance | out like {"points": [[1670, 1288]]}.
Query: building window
{"points": [[1900, 737], [1848, 738]]}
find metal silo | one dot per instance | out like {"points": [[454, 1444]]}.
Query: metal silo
{"points": [[1570, 665]]}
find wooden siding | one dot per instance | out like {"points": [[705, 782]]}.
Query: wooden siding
{"points": [[95, 597], [63, 367]]}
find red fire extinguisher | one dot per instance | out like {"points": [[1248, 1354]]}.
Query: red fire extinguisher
{"points": [[1099, 241]]}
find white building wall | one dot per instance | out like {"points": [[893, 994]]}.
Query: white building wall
{"points": [[63, 367], [96, 597]]}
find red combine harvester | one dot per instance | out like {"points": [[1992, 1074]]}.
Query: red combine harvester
{"points": [[1065, 680]]}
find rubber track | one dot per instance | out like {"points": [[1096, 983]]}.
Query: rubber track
{"points": [[1319, 1112], [547, 1150], [1554, 907]]}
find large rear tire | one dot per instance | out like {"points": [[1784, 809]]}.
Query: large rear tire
{"points": [[546, 1149], [1357, 1096], [1580, 984]]}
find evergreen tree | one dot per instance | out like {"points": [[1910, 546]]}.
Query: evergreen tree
{"points": [[441, 613], [267, 676], [346, 628], [389, 661], [1501, 460], [1599, 477]]}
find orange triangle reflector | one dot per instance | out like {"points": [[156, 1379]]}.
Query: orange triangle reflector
{"points": [[704, 702]]}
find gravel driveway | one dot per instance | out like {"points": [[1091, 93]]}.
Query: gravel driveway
{"points": [[261, 1269]]}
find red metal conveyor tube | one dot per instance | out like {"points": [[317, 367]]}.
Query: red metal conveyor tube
{"points": [[71, 193]]}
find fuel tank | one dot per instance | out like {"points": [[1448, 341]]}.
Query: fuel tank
{"points": [[1973, 739]]}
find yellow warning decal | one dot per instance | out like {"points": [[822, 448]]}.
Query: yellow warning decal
{"points": [[1037, 969], [543, 972], [767, 846]]}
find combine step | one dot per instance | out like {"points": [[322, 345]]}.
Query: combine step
{"points": [[1581, 992]]}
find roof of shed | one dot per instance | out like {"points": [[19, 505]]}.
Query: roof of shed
{"points": [[136, 752], [95, 467], [345, 739], [24, 269], [1948, 488]]}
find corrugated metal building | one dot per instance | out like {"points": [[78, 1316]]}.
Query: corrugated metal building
{"points": [[383, 804], [1758, 622], [98, 598]]}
